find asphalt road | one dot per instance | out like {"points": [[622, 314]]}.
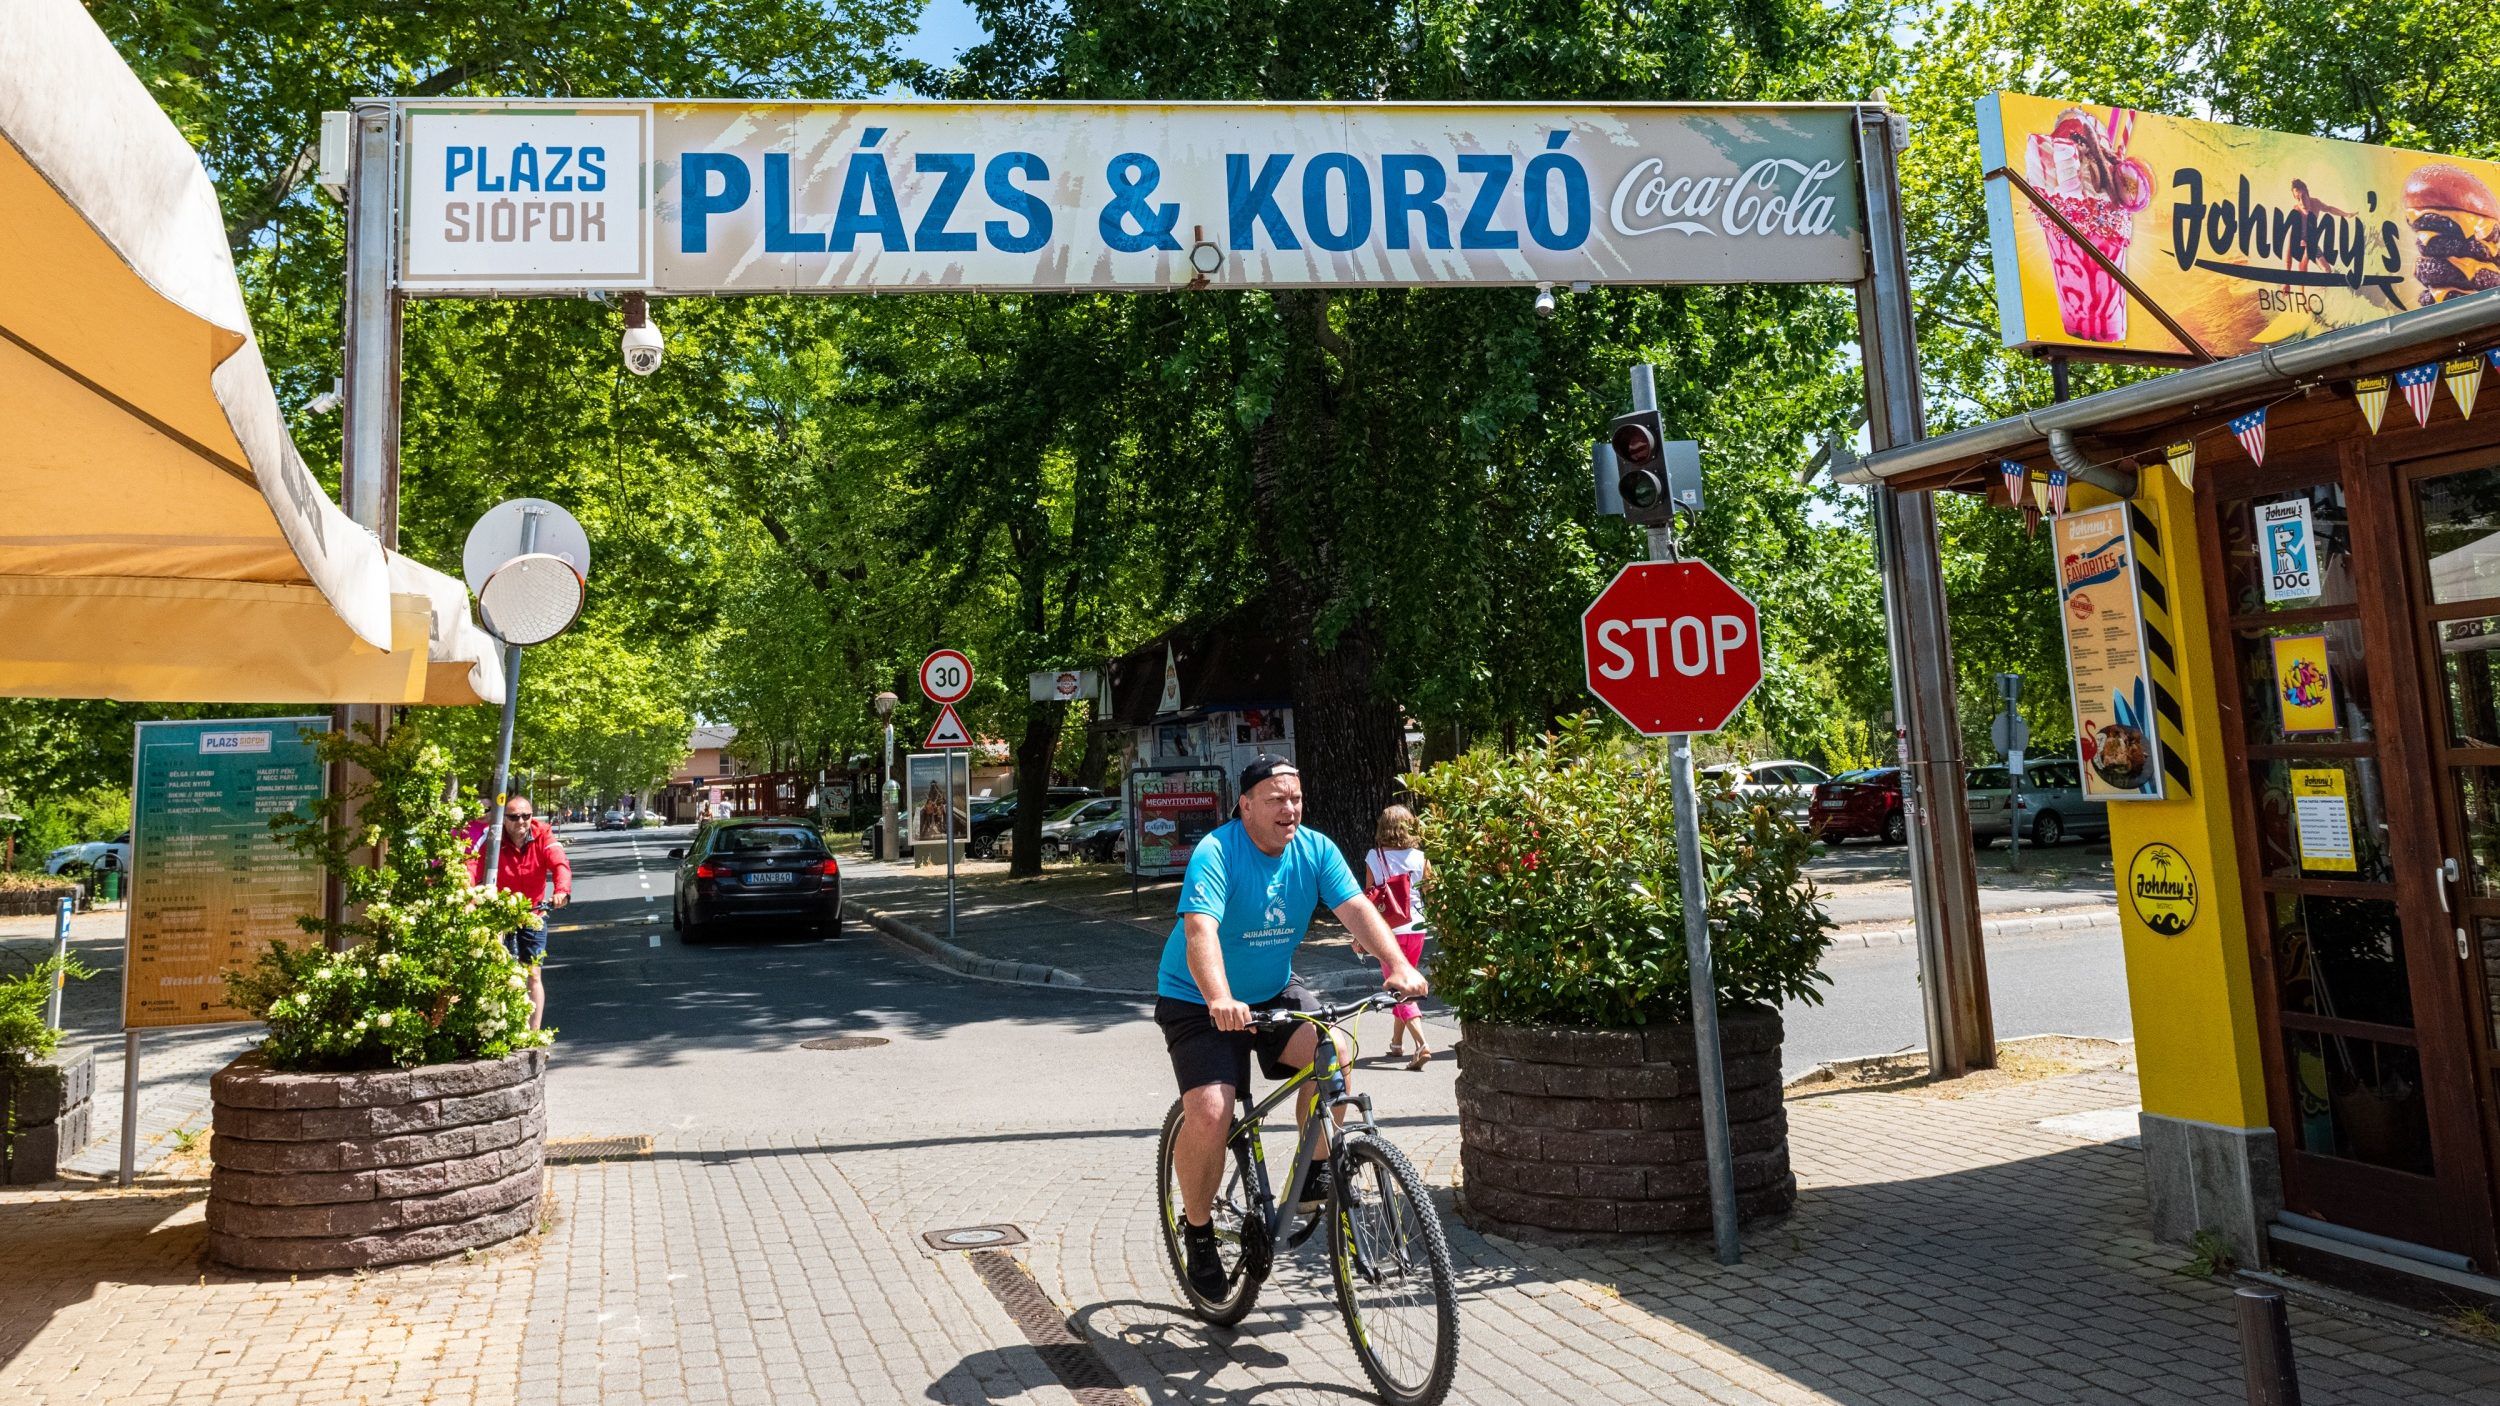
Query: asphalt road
{"points": [[657, 1035]]}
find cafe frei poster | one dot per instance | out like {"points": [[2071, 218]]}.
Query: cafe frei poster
{"points": [[2249, 238], [2106, 661]]}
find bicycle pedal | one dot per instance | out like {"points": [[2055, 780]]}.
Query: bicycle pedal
{"points": [[1302, 1232]]}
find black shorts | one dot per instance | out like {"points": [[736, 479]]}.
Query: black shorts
{"points": [[1203, 1055]]}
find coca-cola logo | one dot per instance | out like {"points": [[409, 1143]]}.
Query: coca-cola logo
{"points": [[1776, 195]]}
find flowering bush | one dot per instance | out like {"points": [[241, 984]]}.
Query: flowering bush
{"points": [[1555, 895], [418, 973]]}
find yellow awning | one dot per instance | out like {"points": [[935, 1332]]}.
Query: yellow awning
{"points": [[160, 539]]}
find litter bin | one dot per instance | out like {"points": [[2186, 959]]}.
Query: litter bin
{"points": [[110, 885]]}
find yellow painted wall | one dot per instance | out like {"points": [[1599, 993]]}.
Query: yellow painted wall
{"points": [[2195, 1015]]}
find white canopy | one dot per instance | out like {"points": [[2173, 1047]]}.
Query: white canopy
{"points": [[160, 539]]}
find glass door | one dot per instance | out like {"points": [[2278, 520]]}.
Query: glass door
{"points": [[2452, 521], [2338, 845]]}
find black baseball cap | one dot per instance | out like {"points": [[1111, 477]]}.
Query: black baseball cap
{"points": [[1262, 767]]}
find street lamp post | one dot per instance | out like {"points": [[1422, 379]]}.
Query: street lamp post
{"points": [[889, 845]]}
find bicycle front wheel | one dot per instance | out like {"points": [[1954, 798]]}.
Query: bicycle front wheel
{"points": [[1392, 1265], [1240, 1235]]}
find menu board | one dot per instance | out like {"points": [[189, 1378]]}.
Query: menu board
{"points": [[1170, 809], [2105, 657], [210, 886]]}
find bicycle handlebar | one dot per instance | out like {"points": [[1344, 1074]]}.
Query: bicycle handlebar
{"points": [[1328, 1015]]}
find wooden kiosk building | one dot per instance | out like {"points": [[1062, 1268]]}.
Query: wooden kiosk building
{"points": [[2318, 1026]]}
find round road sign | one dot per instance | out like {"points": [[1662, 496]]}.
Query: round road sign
{"points": [[946, 676], [1672, 647]]}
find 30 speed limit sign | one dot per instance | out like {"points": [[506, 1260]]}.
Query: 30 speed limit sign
{"points": [[946, 676]]}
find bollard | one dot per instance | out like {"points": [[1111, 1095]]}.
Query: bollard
{"points": [[2266, 1349]]}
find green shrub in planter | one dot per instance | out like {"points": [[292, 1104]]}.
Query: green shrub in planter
{"points": [[25, 996], [1556, 899], [423, 977]]}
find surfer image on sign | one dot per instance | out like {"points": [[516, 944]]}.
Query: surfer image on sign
{"points": [[2164, 889]]}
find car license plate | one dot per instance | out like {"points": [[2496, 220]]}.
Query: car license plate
{"points": [[1833, 805], [770, 878]]}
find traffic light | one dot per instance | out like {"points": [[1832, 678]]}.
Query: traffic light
{"points": [[1640, 442]]}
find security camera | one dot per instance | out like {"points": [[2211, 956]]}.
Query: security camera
{"points": [[1545, 300], [642, 340], [642, 349]]}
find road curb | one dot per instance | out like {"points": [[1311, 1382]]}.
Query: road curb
{"points": [[967, 962], [2028, 925]]}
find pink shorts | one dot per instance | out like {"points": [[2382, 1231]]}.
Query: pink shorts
{"points": [[1412, 944]]}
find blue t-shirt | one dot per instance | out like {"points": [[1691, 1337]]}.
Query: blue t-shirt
{"points": [[1261, 904]]}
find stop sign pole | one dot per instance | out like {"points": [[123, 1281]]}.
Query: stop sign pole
{"points": [[1674, 649]]}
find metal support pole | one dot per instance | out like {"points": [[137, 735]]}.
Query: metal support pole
{"points": [[511, 715], [889, 843], [2266, 1349], [949, 807], [1961, 1033], [1708, 1069], [60, 965], [130, 1106]]}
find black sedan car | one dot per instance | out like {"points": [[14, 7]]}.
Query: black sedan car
{"points": [[757, 870]]}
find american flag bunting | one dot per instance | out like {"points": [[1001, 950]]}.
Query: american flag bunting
{"points": [[2057, 493], [2419, 383], [2014, 474], [2250, 429]]}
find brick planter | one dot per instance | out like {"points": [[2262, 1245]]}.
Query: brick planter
{"points": [[46, 1114], [1572, 1136], [43, 900], [347, 1171]]}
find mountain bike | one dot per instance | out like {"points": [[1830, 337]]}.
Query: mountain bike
{"points": [[1386, 1248]]}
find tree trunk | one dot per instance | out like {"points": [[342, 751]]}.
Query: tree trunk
{"points": [[1033, 756], [1346, 736], [1095, 764]]}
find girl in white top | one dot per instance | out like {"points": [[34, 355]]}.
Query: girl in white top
{"points": [[1394, 853]]}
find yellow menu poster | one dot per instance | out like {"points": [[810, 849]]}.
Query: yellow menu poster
{"points": [[2322, 820], [2105, 654]]}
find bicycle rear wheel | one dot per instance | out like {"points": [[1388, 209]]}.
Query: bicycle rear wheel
{"points": [[1240, 1236], [1394, 1281]]}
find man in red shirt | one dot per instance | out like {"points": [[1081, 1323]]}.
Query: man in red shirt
{"points": [[530, 860]]}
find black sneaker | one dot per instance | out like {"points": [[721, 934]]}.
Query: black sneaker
{"points": [[1317, 1187], [1206, 1261]]}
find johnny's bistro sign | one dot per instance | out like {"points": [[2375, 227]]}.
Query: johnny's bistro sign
{"points": [[680, 197]]}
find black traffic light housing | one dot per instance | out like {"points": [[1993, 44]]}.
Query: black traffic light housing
{"points": [[1640, 444]]}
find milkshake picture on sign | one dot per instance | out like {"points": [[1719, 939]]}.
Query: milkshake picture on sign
{"points": [[2082, 169]]}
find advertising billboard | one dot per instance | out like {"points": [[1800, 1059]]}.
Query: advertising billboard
{"points": [[2248, 238], [2106, 662], [210, 886], [721, 197]]}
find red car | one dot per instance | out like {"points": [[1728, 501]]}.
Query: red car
{"points": [[1860, 803]]}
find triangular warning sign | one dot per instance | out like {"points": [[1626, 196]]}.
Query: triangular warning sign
{"points": [[949, 731]]}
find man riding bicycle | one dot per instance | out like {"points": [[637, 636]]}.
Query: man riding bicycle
{"points": [[1245, 904]]}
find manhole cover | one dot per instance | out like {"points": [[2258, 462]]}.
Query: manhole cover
{"points": [[974, 1237], [597, 1149], [844, 1042]]}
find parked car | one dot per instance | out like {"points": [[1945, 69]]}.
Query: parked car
{"points": [[1100, 841], [1784, 785], [1860, 803], [2049, 807], [994, 821], [756, 870], [1059, 832], [92, 854]]}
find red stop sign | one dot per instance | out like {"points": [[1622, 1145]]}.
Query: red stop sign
{"points": [[1672, 647]]}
